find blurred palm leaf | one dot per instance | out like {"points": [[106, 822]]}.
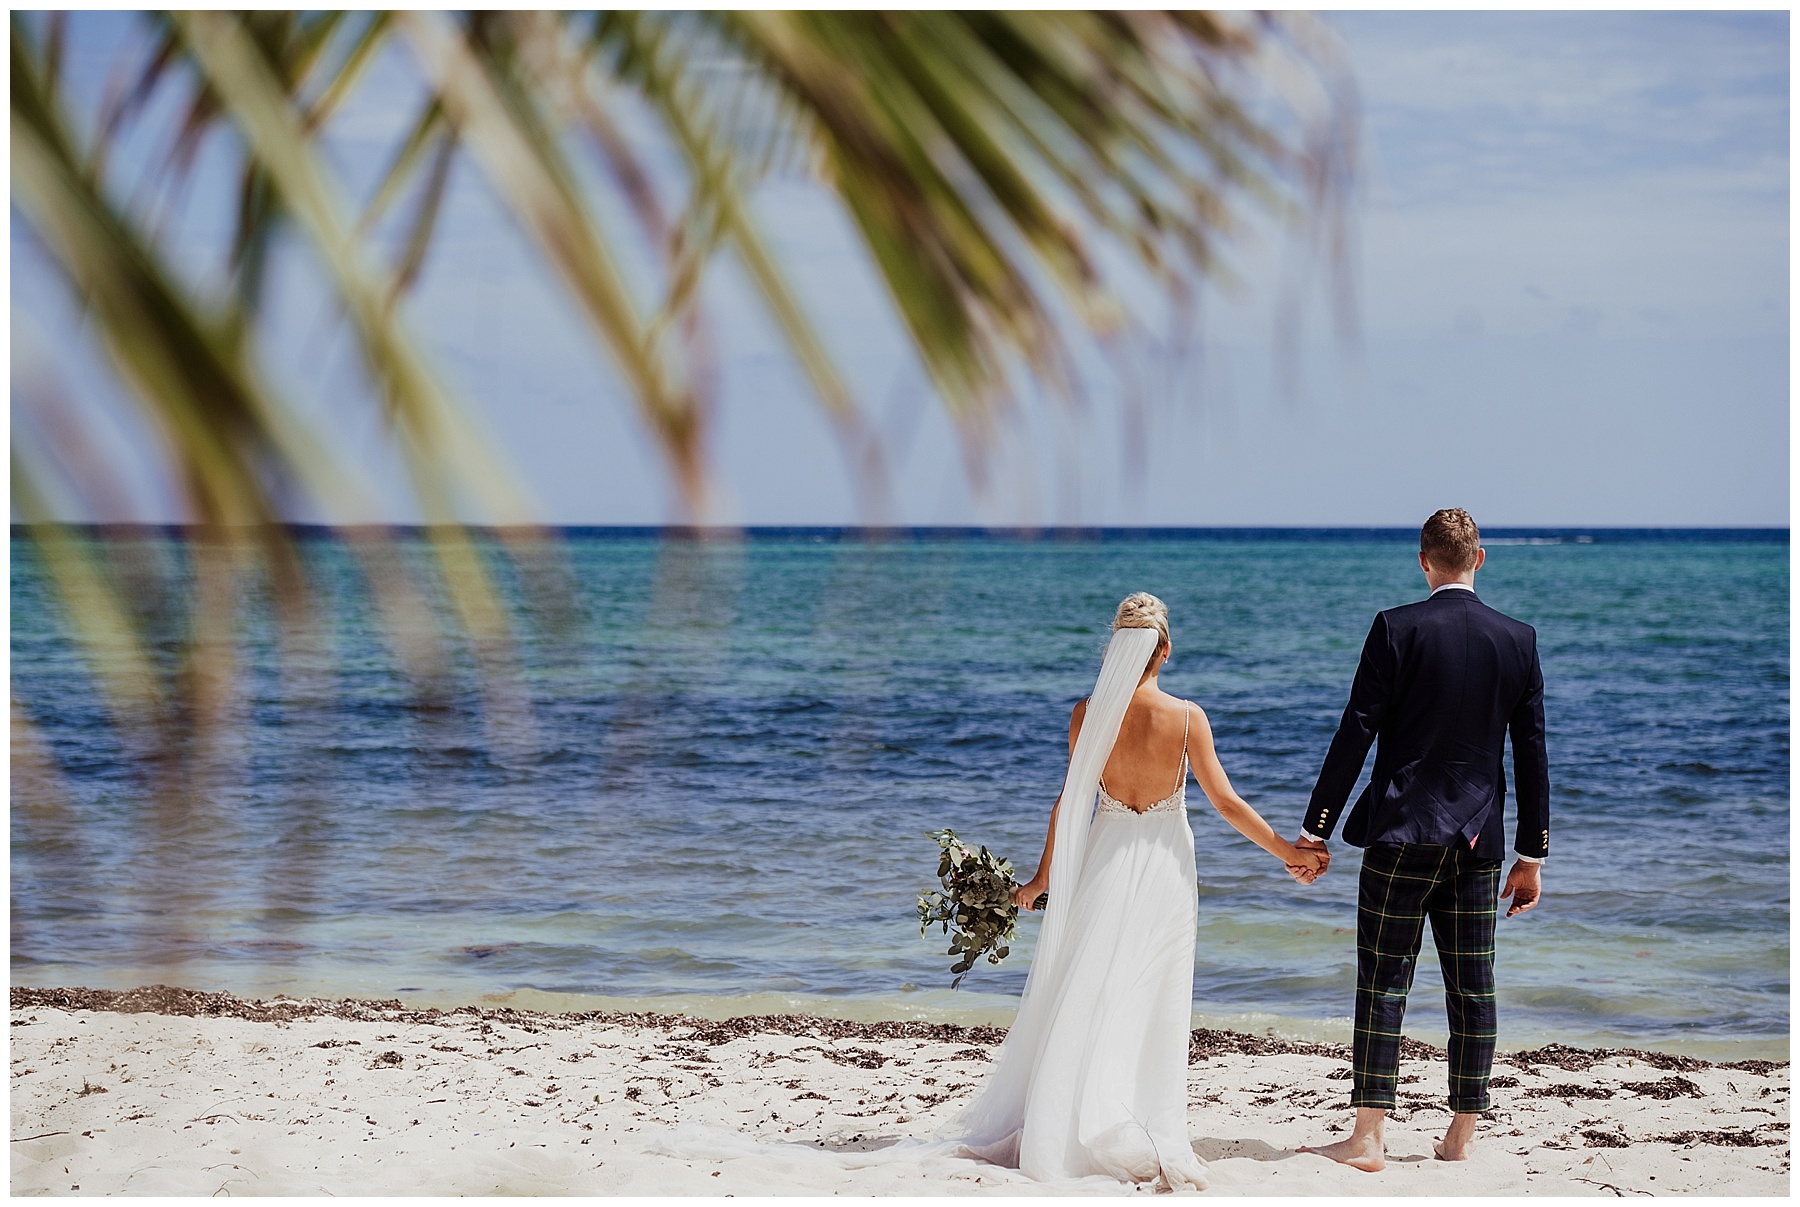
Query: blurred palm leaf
{"points": [[992, 164]]}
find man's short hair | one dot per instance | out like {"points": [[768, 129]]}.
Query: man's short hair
{"points": [[1450, 540]]}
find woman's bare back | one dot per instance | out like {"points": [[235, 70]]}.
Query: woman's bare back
{"points": [[1147, 764]]}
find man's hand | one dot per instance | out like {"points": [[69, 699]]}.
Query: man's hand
{"points": [[1304, 875], [1523, 886], [1306, 865]]}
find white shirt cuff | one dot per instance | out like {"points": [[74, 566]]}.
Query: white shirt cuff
{"points": [[1312, 837], [1527, 858]]}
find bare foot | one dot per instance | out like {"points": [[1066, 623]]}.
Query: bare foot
{"points": [[1365, 1153], [1458, 1138]]}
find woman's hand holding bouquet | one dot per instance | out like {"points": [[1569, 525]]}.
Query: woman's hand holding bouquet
{"points": [[980, 900]]}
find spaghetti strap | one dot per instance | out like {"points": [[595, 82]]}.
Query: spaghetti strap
{"points": [[1187, 719]]}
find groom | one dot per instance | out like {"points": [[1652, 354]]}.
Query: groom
{"points": [[1440, 685]]}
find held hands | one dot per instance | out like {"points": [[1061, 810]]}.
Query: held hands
{"points": [[1523, 884], [1314, 861]]}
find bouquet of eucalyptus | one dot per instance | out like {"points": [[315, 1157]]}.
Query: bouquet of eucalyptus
{"points": [[977, 900]]}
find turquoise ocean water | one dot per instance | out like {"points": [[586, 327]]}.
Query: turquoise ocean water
{"points": [[714, 791]]}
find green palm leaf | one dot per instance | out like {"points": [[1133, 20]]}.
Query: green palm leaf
{"points": [[993, 164]]}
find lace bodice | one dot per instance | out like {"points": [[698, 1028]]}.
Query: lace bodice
{"points": [[1174, 800]]}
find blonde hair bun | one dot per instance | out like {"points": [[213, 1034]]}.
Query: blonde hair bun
{"points": [[1142, 610]]}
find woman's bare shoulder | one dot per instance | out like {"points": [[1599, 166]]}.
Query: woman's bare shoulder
{"points": [[1077, 716]]}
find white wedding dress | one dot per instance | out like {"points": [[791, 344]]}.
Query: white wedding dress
{"points": [[1092, 1078]]}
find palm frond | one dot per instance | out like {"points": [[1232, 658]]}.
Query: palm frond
{"points": [[526, 163], [997, 167], [976, 151], [720, 181], [442, 450], [189, 370]]}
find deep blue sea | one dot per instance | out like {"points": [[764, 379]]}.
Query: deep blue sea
{"points": [[709, 783]]}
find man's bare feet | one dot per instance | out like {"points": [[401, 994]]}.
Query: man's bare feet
{"points": [[1458, 1139], [1358, 1152], [1364, 1149]]}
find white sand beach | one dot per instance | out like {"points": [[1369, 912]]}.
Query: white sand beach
{"points": [[305, 1098]]}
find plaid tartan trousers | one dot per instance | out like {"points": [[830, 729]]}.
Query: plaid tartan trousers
{"points": [[1402, 884]]}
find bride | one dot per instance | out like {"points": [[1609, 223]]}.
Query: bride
{"points": [[1092, 1078]]}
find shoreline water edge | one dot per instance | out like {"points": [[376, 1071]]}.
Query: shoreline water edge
{"points": [[172, 1091]]}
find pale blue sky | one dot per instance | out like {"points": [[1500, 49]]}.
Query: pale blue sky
{"points": [[1571, 266]]}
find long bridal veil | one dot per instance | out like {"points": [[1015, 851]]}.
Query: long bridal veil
{"points": [[991, 1126], [996, 1115]]}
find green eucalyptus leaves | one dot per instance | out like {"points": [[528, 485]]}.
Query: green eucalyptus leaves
{"points": [[976, 901]]}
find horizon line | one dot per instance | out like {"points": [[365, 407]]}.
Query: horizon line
{"points": [[1557, 533]]}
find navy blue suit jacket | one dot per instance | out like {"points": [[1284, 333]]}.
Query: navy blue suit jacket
{"points": [[1440, 685]]}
